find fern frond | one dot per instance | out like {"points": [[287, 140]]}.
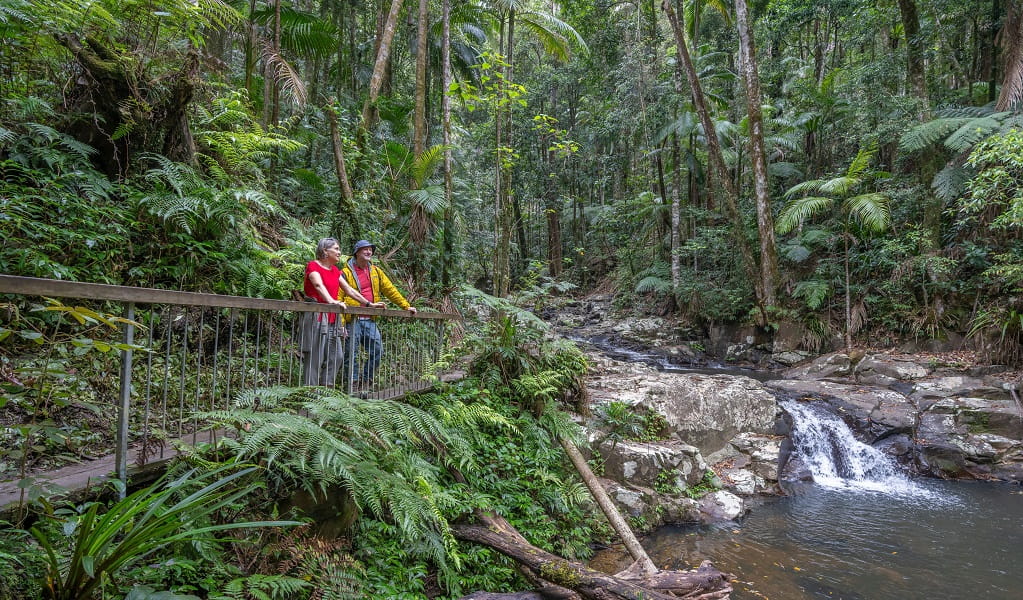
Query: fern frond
{"points": [[950, 182], [972, 132], [926, 135]]}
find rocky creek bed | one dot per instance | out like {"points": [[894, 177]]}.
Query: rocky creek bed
{"points": [[937, 414]]}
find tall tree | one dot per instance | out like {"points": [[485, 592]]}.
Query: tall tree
{"points": [[445, 104], [719, 170], [422, 82], [765, 218], [383, 57], [1012, 57]]}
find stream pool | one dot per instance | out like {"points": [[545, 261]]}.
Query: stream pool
{"points": [[943, 541]]}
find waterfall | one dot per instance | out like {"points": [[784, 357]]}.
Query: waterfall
{"points": [[836, 459]]}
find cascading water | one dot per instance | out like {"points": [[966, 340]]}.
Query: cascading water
{"points": [[836, 459]]}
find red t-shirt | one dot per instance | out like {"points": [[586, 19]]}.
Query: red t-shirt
{"points": [[331, 280], [365, 282]]}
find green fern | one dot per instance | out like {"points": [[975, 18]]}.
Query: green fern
{"points": [[387, 454]]}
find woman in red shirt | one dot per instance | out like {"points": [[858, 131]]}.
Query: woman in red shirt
{"points": [[322, 332]]}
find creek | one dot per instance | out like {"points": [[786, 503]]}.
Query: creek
{"points": [[861, 530]]}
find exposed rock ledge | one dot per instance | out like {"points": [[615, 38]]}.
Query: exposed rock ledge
{"points": [[937, 422]]}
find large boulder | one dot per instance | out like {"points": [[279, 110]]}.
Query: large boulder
{"points": [[700, 410], [874, 412], [708, 410], [638, 464], [885, 369]]}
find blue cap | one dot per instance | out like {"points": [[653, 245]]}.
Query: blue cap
{"points": [[359, 245]]}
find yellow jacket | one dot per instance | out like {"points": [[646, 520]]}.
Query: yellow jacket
{"points": [[381, 285]]}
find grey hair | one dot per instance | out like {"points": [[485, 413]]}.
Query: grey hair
{"points": [[321, 247]]}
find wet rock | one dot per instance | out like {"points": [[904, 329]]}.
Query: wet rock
{"points": [[791, 357], [701, 410], [647, 510], [831, 365], [721, 506], [961, 385], [748, 464], [787, 338], [882, 369], [708, 410]]}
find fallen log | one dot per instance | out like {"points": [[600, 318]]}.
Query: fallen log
{"points": [[705, 583]]}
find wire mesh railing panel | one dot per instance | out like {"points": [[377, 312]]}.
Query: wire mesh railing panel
{"points": [[131, 371]]}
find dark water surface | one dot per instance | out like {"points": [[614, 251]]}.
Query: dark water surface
{"points": [[943, 541]]}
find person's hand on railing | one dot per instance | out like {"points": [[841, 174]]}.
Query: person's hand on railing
{"points": [[412, 310]]}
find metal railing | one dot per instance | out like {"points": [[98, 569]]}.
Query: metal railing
{"points": [[183, 353]]}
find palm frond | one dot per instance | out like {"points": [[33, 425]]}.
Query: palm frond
{"points": [[862, 160], [285, 75], [426, 164], [870, 210], [798, 210], [554, 42], [431, 199]]}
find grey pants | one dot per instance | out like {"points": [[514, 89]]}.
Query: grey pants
{"points": [[322, 349]]}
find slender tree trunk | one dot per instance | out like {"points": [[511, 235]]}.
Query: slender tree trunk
{"points": [[916, 78], [251, 40], [716, 159], [383, 56], [643, 562], [419, 145], [445, 103], [765, 217], [848, 295], [676, 219], [346, 203], [993, 51], [275, 101]]}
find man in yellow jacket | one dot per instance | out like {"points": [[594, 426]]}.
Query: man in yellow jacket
{"points": [[372, 282]]}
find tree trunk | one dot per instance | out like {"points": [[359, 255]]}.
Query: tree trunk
{"points": [[445, 103], [275, 89], [704, 583], [346, 203], [419, 144], [1012, 57], [716, 159], [916, 78], [765, 217], [376, 81], [636, 551], [676, 219]]}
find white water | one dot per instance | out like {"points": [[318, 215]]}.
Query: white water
{"points": [[836, 459]]}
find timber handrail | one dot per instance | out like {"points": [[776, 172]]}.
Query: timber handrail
{"points": [[35, 286]]}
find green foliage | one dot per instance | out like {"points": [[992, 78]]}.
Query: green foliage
{"points": [[620, 421], [708, 484], [99, 545], [48, 355], [22, 564], [667, 481], [388, 454]]}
